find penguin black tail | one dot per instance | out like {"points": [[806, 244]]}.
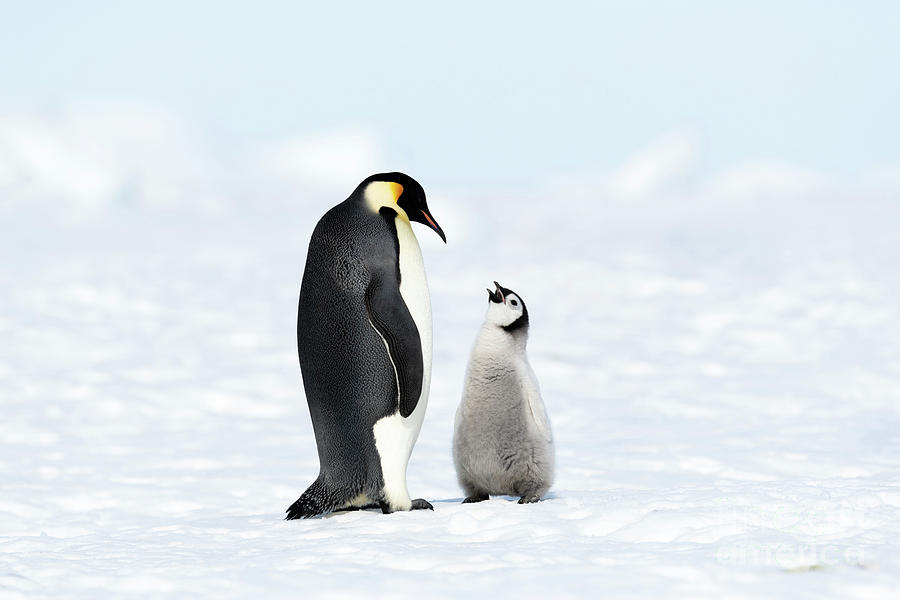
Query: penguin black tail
{"points": [[316, 500]]}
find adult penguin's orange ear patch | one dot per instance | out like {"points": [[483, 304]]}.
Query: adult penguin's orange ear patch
{"points": [[383, 193], [396, 189]]}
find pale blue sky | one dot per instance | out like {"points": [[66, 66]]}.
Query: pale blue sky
{"points": [[483, 92]]}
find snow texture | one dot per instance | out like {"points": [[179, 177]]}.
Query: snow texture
{"points": [[720, 363]]}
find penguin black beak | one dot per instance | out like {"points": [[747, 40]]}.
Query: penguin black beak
{"points": [[497, 295], [430, 222]]}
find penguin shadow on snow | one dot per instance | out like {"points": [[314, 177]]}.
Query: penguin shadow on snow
{"points": [[439, 506], [492, 500]]}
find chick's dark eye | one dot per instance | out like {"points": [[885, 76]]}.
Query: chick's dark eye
{"points": [[513, 302]]}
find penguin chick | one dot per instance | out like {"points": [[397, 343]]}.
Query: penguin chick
{"points": [[502, 444]]}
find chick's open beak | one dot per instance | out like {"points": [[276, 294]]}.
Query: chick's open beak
{"points": [[497, 295]]}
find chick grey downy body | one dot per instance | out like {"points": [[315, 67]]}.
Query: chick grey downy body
{"points": [[502, 443]]}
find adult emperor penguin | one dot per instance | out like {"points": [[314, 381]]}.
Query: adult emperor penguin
{"points": [[502, 442], [364, 340]]}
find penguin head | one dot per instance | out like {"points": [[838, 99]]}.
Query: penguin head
{"points": [[507, 310], [403, 194]]}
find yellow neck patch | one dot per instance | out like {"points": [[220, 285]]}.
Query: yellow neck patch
{"points": [[384, 193]]}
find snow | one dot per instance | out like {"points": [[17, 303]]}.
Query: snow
{"points": [[720, 361]]}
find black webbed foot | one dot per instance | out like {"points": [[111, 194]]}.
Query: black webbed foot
{"points": [[529, 499], [421, 504], [476, 498]]}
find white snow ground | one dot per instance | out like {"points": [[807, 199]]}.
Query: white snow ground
{"points": [[721, 368]]}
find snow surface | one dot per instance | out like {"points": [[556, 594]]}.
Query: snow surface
{"points": [[721, 367]]}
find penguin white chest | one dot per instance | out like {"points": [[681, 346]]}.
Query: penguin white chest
{"points": [[394, 435], [414, 290]]}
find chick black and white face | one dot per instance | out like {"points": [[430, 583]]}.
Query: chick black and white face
{"points": [[506, 309]]}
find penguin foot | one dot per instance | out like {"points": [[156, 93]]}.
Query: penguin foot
{"points": [[476, 498], [417, 504], [421, 504], [529, 499]]}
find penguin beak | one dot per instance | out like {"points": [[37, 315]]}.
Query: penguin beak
{"points": [[497, 295], [430, 222]]}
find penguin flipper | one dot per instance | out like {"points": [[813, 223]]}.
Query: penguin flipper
{"points": [[390, 317]]}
